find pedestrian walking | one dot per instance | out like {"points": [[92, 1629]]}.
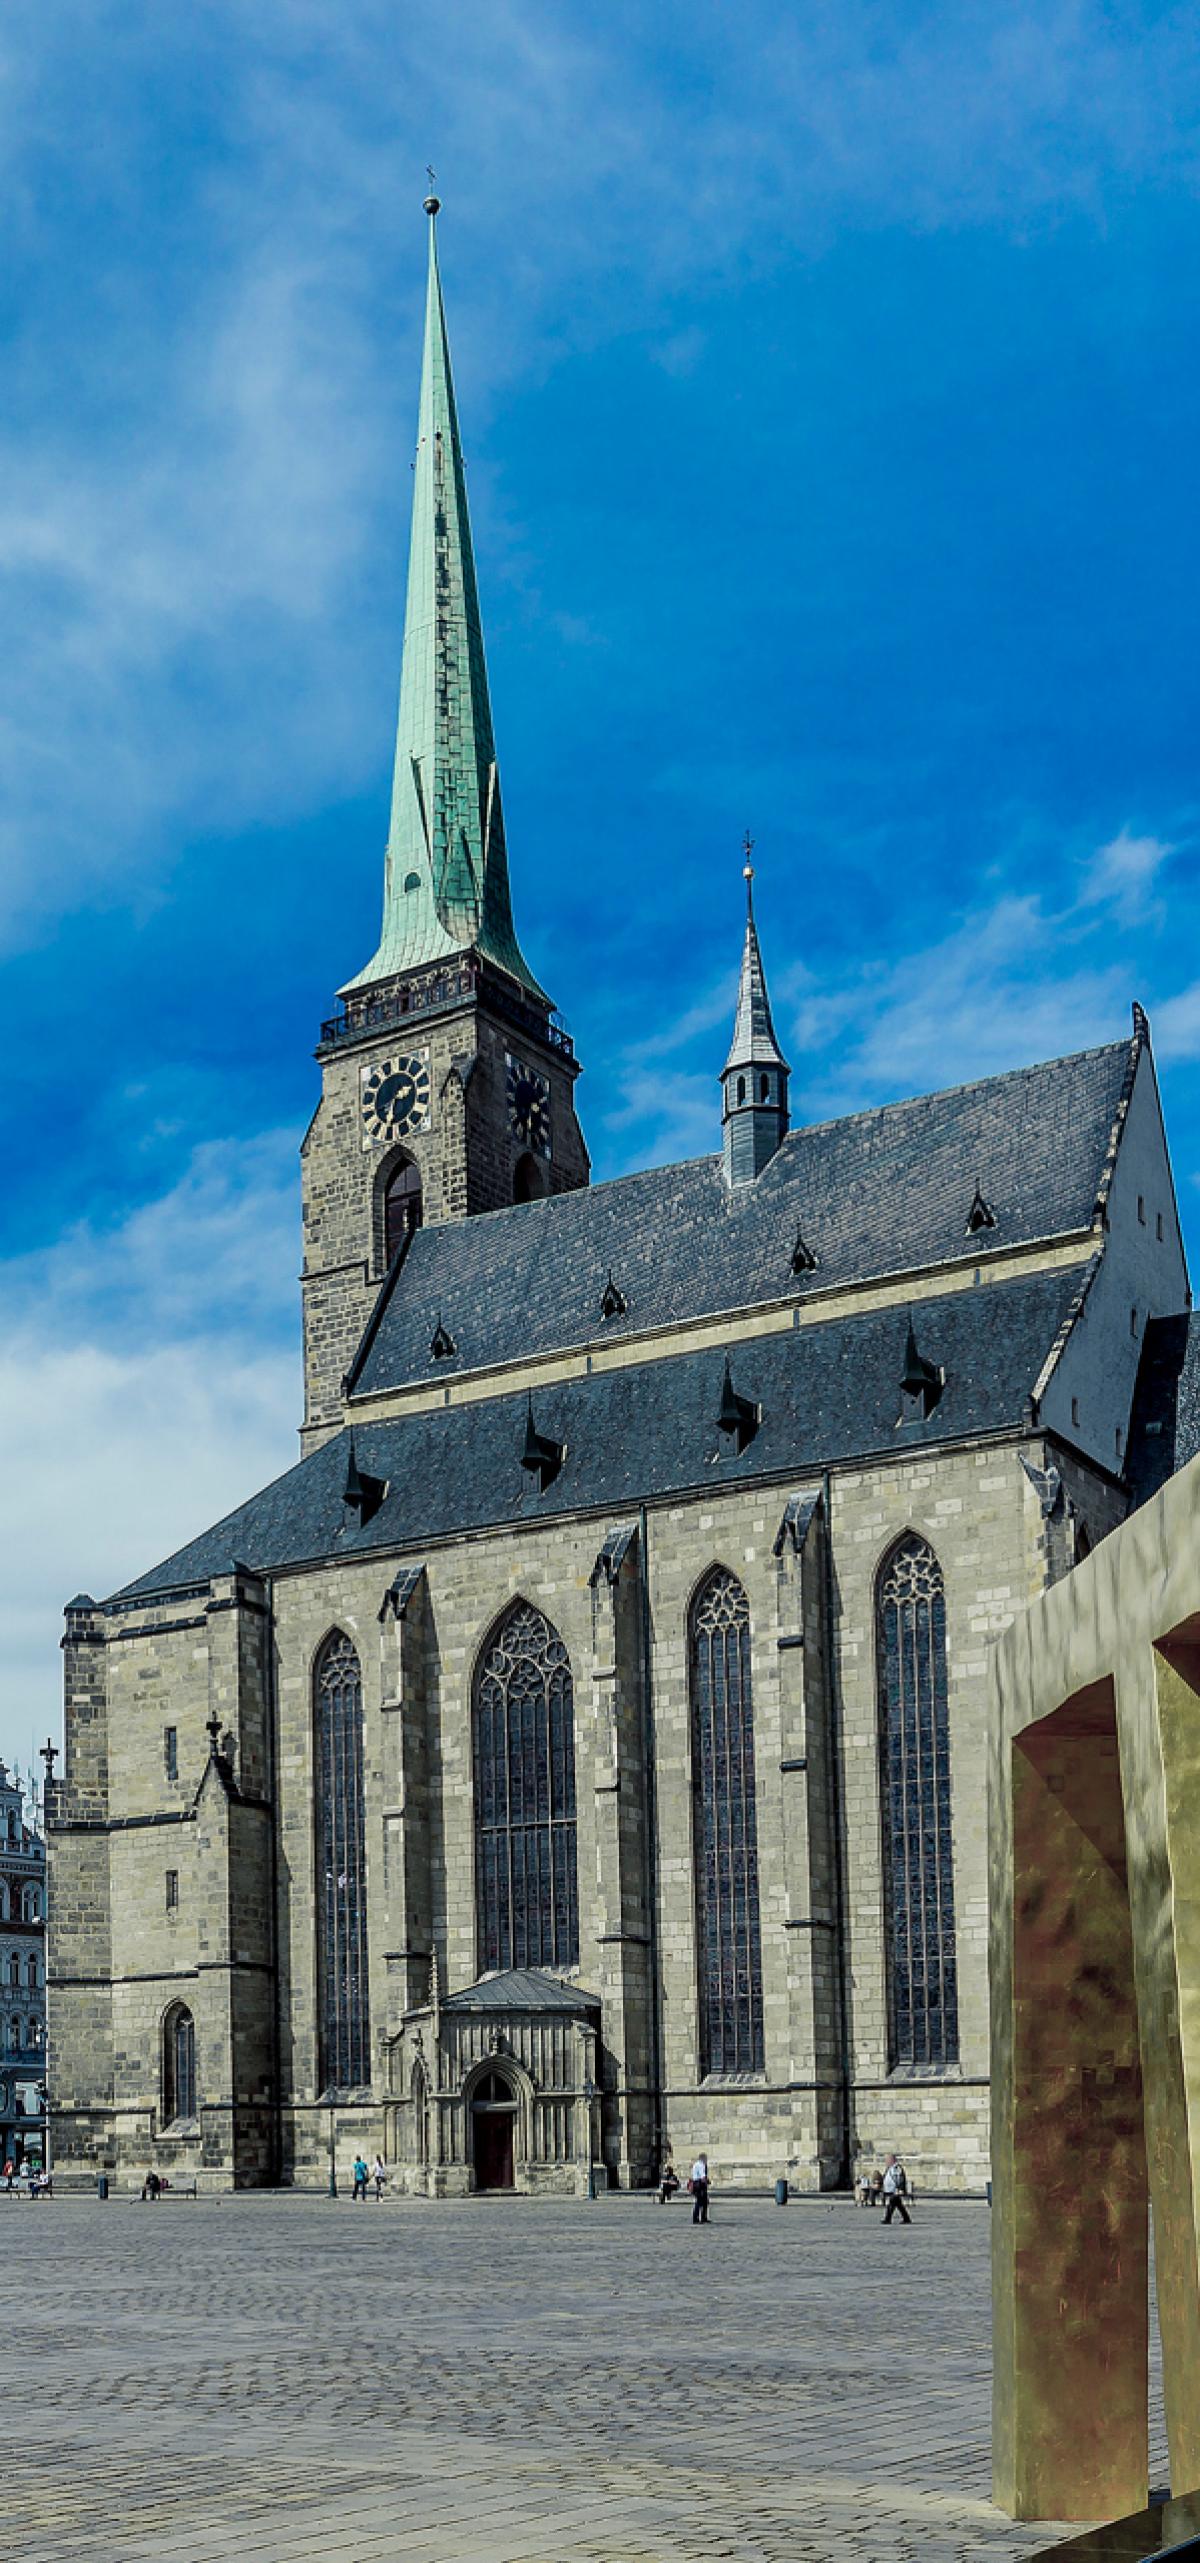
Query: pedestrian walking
{"points": [[895, 2185], [9, 2171], [360, 2178], [698, 2185], [379, 2175]]}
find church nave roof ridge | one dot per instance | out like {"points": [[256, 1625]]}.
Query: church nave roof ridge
{"points": [[874, 1195]]}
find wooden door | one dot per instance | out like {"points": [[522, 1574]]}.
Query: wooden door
{"points": [[494, 2147]]}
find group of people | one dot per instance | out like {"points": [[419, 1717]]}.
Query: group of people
{"points": [[697, 2186], [363, 2178], [888, 2188]]}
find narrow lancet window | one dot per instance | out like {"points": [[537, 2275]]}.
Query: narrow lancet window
{"points": [[345, 2028], [401, 1207], [527, 1898], [726, 1831], [914, 1739], [179, 2064]]}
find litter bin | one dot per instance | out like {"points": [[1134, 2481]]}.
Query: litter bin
{"points": [[781, 2193], [102, 2184]]}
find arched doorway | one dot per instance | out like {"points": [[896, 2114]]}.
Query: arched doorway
{"points": [[493, 2130]]}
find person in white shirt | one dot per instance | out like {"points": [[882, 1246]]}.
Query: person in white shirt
{"points": [[700, 2190], [895, 2183]]}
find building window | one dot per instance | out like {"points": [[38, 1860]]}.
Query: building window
{"points": [[171, 1752], [1133, 1321], [179, 2064], [527, 1898], [914, 1739], [401, 1207], [31, 1975], [172, 1890], [1142, 1208], [1158, 1226], [529, 1179], [345, 2022], [726, 1829], [1074, 1410]]}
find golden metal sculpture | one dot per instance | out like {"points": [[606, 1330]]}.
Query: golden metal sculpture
{"points": [[1095, 1899]]}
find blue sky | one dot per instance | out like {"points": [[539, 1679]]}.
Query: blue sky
{"points": [[830, 390]]}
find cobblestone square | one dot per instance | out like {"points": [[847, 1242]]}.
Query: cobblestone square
{"points": [[285, 2377]]}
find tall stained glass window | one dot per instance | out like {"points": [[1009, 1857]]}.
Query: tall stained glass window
{"points": [[914, 1740], [527, 1898], [726, 1833], [179, 2064], [345, 2023]]}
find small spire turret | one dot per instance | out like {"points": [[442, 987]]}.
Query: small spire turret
{"points": [[755, 1075]]}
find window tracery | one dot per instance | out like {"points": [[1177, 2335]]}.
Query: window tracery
{"points": [[527, 1900], [726, 1829], [344, 2012], [914, 1740]]}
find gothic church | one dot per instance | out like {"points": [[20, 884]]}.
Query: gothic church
{"points": [[579, 1754]]}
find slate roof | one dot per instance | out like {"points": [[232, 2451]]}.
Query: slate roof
{"points": [[521, 1989], [1165, 1430], [887, 1191], [828, 1392]]}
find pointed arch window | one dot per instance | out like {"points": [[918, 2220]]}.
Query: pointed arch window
{"points": [[914, 1743], [401, 1207], [178, 2064], [526, 1889], [344, 2015], [726, 1829]]}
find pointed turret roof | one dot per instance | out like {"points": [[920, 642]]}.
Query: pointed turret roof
{"points": [[446, 882], [754, 1044]]}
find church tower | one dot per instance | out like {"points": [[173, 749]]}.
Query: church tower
{"points": [[754, 1079], [447, 1083]]}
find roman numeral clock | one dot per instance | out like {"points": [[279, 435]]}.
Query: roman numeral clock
{"points": [[528, 1105], [395, 1098]]}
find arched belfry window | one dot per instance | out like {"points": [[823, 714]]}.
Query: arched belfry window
{"points": [[527, 1898], [178, 2064], [344, 2014], [914, 1742], [401, 1207], [726, 1830]]}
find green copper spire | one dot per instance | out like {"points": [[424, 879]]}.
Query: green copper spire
{"points": [[446, 882]]}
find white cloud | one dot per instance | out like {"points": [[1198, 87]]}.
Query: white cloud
{"points": [[149, 1381], [1122, 873], [1176, 1025]]}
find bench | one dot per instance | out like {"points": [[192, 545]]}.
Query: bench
{"points": [[184, 2188]]}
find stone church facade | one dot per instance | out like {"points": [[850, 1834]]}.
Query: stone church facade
{"points": [[579, 1755]]}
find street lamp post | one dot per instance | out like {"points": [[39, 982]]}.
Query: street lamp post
{"points": [[589, 2093], [333, 2187]]}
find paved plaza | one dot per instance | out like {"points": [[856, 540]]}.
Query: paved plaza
{"points": [[287, 2378]]}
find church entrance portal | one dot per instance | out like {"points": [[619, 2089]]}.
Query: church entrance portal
{"points": [[493, 2120]]}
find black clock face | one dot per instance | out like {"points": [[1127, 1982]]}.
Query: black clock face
{"points": [[395, 1097], [528, 1105]]}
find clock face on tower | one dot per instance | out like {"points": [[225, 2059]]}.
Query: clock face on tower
{"points": [[395, 1097], [528, 1105]]}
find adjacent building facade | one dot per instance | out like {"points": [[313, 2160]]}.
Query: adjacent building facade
{"points": [[580, 1755], [22, 1979]]}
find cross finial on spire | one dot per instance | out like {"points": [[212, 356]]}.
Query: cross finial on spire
{"points": [[748, 869], [433, 202]]}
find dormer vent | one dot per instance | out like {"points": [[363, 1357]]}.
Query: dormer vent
{"points": [[362, 1494], [613, 1302], [442, 1346], [541, 1457], [737, 1417], [803, 1258], [921, 1383], [980, 1214]]}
